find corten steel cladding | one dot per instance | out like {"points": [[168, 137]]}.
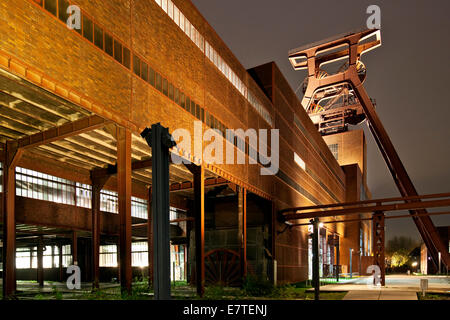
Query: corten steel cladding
{"points": [[354, 51]]}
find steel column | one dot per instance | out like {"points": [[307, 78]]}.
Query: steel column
{"points": [[12, 155], [150, 238], [242, 226], [60, 263], [124, 197], [97, 185], [199, 214], [74, 248], [315, 250], [378, 243], [40, 262], [159, 139]]}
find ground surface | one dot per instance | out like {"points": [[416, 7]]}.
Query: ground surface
{"points": [[398, 287]]}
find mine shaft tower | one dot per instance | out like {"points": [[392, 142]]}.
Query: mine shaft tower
{"points": [[335, 100]]}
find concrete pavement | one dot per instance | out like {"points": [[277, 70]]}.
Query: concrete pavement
{"points": [[380, 295], [398, 287]]}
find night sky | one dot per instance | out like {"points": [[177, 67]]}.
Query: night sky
{"points": [[408, 75]]}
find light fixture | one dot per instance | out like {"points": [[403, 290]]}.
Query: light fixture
{"points": [[321, 225]]}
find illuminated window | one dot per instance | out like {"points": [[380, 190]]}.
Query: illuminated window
{"points": [[139, 254], [139, 208], [299, 161], [23, 258], [108, 256]]}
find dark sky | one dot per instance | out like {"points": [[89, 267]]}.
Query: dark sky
{"points": [[408, 75]]}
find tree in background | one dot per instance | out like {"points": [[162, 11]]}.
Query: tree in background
{"points": [[398, 251]]}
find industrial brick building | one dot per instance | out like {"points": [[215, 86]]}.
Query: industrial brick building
{"points": [[77, 175]]}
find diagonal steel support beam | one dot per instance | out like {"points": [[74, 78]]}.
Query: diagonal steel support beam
{"points": [[66, 130]]}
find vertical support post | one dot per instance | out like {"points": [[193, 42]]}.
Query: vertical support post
{"points": [[74, 248], [40, 262], [242, 232], [12, 155], [159, 139], [315, 250], [338, 258], [150, 238], [60, 263], [378, 243], [124, 194], [199, 213], [97, 185], [351, 263]]}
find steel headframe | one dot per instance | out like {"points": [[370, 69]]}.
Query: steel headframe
{"points": [[357, 43]]}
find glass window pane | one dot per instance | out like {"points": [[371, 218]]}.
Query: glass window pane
{"points": [[158, 82], [144, 71], [170, 91], [88, 31], [137, 65], [151, 76], [50, 6], [126, 57], [176, 97], [182, 100], [108, 44], [118, 51], [62, 10], [164, 87], [98, 36]]}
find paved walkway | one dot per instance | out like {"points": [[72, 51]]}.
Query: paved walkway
{"points": [[398, 287], [380, 295]]}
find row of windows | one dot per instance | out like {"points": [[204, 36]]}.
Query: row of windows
{"points": [[139, 258], [139, 255], [142, 69], [90, 31], [181, 21], [41, 186], [26, 258]]}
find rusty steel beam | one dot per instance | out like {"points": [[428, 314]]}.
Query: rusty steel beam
{"points": [[378, 244], [242, 228], [364, 202], [124, 199], [368, 209], [199, 225], [97, 186], [188, 185], [66, 130], [74, 248], [424, 223], [12, 156]]}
